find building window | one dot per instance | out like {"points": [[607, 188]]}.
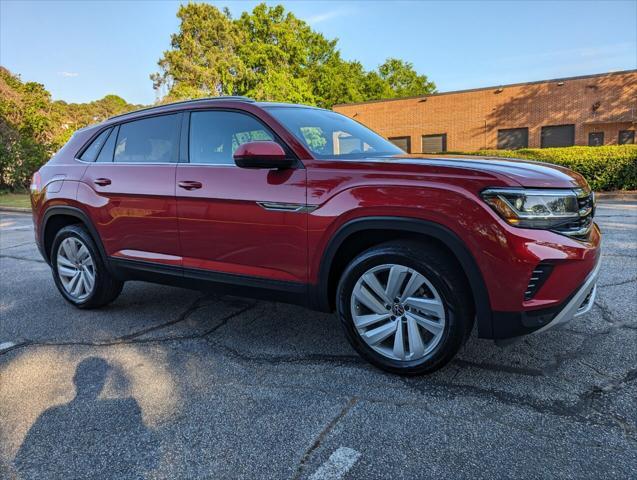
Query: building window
{"points": [[626, 137], [404, 143], [434, 143], [595, 139], [558, 136], [513, 138]]}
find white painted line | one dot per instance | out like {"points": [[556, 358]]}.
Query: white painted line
{"points": [[339, 463], [11, 229], [6, 345]]}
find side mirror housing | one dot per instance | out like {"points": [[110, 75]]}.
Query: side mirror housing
{"points": [[260, 154]]}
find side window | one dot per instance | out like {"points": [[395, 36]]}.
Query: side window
{"points": [[150, 140], [215, 135], [93, 150], [106, 154]]}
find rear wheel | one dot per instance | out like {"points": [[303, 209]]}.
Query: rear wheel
{"points": [[78, 270], [405, 307]]}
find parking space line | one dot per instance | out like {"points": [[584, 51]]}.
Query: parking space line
{"points": [[339, 463], [6, 345]]}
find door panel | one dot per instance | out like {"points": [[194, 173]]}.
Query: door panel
{"points": [[223, 227], [136, 212]]}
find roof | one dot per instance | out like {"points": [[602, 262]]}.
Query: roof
{"points": [[451, 92], [168, 106]]}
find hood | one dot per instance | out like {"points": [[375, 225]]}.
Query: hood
{"points": [[524, 172]]}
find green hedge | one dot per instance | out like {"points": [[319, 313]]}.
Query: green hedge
{"points": [[612, 167]]}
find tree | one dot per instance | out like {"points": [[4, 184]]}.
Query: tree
{"points": [[270, 54], [403, 80], [203, 59], [33, 127]]}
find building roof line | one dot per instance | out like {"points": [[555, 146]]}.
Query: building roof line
{"points": [[493, 87]]}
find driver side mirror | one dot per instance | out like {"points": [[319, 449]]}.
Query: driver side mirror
{"points": [[262, 154]]}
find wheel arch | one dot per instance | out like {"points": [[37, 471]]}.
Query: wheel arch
{"points": [[392, 228], [61, 216]]}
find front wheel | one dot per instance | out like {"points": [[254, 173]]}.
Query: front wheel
{"points": [[405, 307]]}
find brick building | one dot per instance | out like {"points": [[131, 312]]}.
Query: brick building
{"points": [[589, 110]]}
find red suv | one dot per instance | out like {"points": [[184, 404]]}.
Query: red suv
{"points": [[303, 205]]}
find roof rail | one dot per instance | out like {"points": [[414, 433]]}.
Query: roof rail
{"points": [[235, 98]]}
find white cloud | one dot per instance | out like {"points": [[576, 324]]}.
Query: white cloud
{"points": [[68, 74], [329, 15]]}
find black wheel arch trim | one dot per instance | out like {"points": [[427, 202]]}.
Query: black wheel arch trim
{"points": [[484, 317], [71, 212]]}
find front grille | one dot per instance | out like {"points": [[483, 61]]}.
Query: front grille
{"points": [[580, 227], [538, 277]]}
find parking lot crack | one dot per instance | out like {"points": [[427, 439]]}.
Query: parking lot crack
{"points": [[493, 367], [322, 435], [630, 280], [25, 259], [135, 340]]}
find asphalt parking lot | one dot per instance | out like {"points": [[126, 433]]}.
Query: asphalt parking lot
{"points": [[170, 383]]}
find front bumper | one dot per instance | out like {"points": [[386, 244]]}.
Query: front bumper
{"points": [[508, 326], [580, 303]]}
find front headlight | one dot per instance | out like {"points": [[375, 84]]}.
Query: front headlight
{"points": [[537, 208]]}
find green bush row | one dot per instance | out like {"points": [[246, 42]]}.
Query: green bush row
{"points": [[612, 167]]}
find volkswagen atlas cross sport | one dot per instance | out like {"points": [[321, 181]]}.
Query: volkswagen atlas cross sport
{"points": [[304, 205]]}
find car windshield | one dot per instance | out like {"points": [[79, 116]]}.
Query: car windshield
{"points": [[332, 135]]}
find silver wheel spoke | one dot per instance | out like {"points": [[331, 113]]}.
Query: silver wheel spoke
{"points": [[373, 283], [429, 306], [415, 282], [429, 325], [69, 250], [67, 272], [90, 278], [399, 343], [367, 299], [379, 334], [83, 254], [363, 321], [65, 262], [416, 345], [400, 323], [396, 277]]}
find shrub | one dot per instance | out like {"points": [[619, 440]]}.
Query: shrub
{"points": [[612, 167]]}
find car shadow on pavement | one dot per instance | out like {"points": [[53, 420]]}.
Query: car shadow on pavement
{"points": [[89, 437]]}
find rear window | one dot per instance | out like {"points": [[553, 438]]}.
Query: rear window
{"points": [[93, 150], [150, 140]]}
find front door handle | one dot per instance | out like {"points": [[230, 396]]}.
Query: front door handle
{"points": [[190, 185], [102, 182]]}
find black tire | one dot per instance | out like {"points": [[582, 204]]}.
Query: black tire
{"points": [[447, 277], [106, 287]]}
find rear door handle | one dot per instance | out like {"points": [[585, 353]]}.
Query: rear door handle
{"points": [[102, 182], [190, 185]]}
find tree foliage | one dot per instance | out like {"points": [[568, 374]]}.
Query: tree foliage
{"points": [[270, 54], [33, 127]]}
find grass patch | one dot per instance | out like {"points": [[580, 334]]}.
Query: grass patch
{"points": [[21, 200]]}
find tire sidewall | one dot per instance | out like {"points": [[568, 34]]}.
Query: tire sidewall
{"points": [[80, 234], [453, 333]]}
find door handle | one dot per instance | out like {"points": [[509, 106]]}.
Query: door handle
{"points": [[190, 185], [102, 182]]}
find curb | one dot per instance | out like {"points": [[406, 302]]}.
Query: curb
{"points": [[629, 195], [15, 209]]}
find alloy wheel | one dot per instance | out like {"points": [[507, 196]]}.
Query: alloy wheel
{"points": [[398, 312], [75, 268]]}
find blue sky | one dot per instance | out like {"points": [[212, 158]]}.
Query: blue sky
{"points": [[82, 51]]}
